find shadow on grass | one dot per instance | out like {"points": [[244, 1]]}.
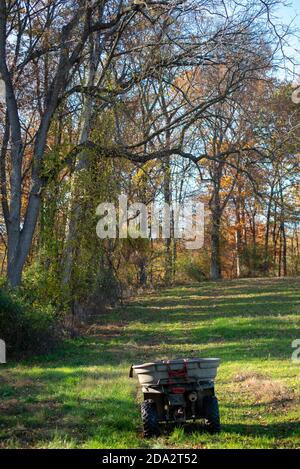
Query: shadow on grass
{"points": [[73, 419], [204, 310], [286, 429], [43, 399]]}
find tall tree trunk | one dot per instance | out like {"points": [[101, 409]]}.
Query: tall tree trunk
{"points": [[174, 258], [143, 273], [168, 277], [20, 232], [215, 265], [254, 237], [274, 238], [82, 163], [13, 129], [284, 250], [238, 231], [280, 253], [266, 266], [216, 211], [283, 231], [238, 266], [167, 191]]}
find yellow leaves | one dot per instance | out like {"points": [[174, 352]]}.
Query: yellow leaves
{"points": [[226, 182], [142, 175], [139, 176]]}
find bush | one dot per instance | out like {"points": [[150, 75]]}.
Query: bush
{"points": [[194, 272], [42, 286], [25, 328]]}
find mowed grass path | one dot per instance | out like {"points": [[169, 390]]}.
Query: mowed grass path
{"points": [[81, 396]]}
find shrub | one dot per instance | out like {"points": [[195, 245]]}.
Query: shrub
{"points": [[42, 286], [26, 328], [194, 272]]}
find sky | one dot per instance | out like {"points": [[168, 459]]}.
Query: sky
{"points": [[286, 14], [291, 10]]}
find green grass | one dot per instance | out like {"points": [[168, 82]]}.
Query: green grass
{"points": [[81, 397]]}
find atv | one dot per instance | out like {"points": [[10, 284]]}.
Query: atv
{"points": [[178, 391]]}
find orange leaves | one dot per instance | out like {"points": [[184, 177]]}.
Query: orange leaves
{"points": [[227, 181]]}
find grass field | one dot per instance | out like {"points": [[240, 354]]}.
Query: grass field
{"points": [[81, 396]]}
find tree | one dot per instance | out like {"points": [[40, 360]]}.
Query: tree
{"points": [[46, 46]]}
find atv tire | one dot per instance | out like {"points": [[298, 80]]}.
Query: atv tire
{"points": [[149, 418], [211, 413]]}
